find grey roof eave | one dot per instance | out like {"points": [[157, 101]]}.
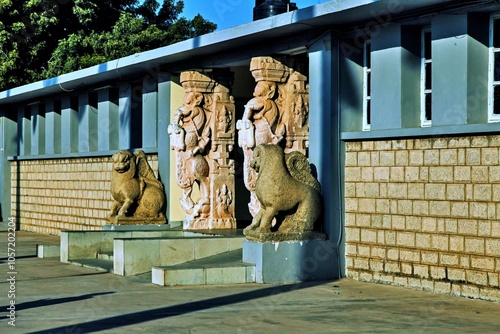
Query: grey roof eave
{"points": [[325, 14]]}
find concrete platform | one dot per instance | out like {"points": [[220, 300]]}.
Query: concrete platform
{"points": [[133, 252], [87, 244], [55, 297]]}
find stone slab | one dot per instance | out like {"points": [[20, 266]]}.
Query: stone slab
{"points": [[142, 227], [87, 244], [292, 261], [45, 251], [137, 221]]}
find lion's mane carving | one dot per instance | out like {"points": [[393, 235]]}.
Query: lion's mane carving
{"points": [[287, 190], [134, 187]]}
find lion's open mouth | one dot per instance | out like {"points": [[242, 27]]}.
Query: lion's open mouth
{"points": [[121, 169]]}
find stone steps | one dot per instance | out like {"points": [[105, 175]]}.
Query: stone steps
{"points": [[136, 255], [224, 268]]}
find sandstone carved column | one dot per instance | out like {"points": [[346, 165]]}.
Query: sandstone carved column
{"points": [[277, 114], [202, 135]]}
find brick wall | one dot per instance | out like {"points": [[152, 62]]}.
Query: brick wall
{"points": [[425, 213], [63, 194]]}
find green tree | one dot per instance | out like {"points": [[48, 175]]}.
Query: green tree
{"points": [[45, 38]]}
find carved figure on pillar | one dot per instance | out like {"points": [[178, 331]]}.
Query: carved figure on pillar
{"points": [[277, 114], [202, 134], [190, 138]]}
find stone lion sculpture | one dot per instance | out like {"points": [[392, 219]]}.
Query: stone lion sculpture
{"points": [[134, 187], [286, 190]]}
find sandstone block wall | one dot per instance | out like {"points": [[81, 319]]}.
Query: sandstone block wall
{"points": [[63, 194], [425, 213]]}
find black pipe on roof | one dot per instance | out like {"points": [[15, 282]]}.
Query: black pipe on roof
{"points": [[267, 8]]}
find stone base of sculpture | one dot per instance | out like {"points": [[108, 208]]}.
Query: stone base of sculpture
{"points": [[292, 261], [190, 223], [255, 235], [116, 220]]}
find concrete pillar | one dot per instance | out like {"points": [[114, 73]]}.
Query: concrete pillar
{"points": [[164, 106], [351, 103], [124, 116], [38, 129], [149, 112], [69, 125], [459, 92], [87, 123], [24, 129], [395, 78], [53, 127], [108, 119], [325, 153], [8, 147], [386, 70]]}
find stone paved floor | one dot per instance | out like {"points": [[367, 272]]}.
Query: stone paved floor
{"points": [[52, 297]]}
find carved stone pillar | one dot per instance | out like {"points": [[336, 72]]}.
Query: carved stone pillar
{"points": [[202, 134], [277, 114]]}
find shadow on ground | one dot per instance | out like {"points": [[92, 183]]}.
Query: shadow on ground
{"points": [[177, 310], [56, 301]]}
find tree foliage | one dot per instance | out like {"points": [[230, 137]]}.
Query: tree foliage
{"points": [[45, 38]]}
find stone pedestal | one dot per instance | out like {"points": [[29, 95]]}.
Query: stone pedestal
{"points": [[137, 220], [292, 261], [142, 227]]}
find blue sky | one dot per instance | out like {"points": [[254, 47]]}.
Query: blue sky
{"points": [[230, 13]]}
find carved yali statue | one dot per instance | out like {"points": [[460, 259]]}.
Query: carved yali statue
{"points": [[279, 110], [202, 135], [138, 195], [286, 191]]}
